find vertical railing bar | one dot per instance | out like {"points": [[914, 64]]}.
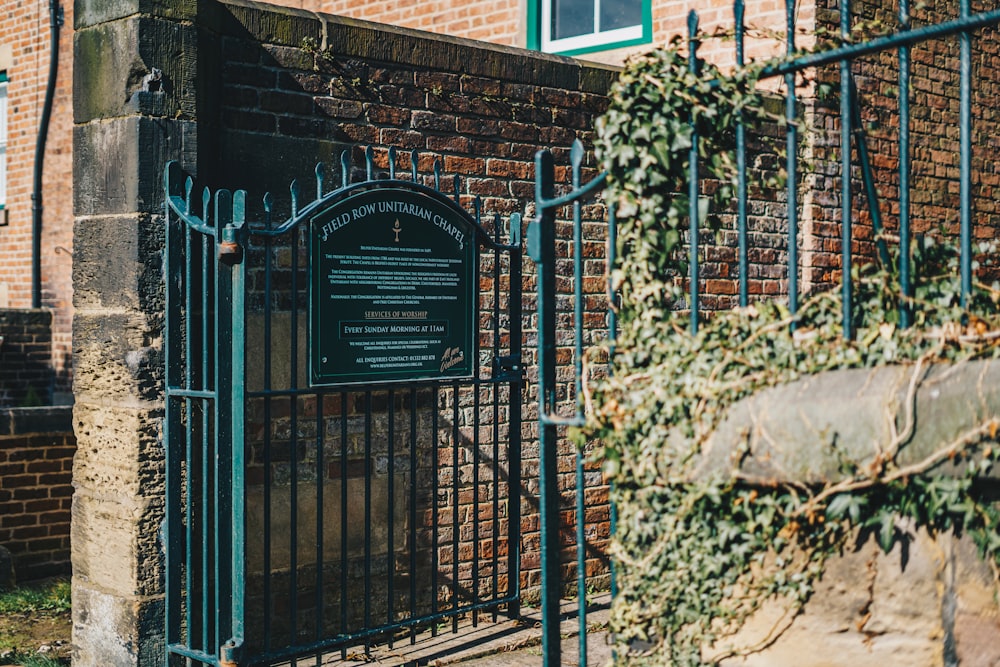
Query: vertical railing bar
{"points": [[320, 177], [791, 165], [845, 162], [457, 185], [904, 169], [475, 500], [437, 174], [514, 306], [293, 191], [369, 164], [223, 435], [238, 430], [741, 168], [435, 467], [414, 161], [390, 519], [497, 223], [692, 24], [368, 517], [413, 510], [392, 162], [455, 508], [965, 157], [293, 373], [548, 481], [576, 162], [612, 338], [268, 315], [345, 168], [320, 475], [189, 437], [206, 536], [344, 525], [171, 428], [868, 176]]}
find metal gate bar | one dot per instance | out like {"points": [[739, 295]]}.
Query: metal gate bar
{"points": [[239, 597]]}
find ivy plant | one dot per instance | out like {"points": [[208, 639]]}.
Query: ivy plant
{"points": [[697, 555]]}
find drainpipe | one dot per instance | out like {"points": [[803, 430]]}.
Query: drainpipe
{"points": [[55, 22]]}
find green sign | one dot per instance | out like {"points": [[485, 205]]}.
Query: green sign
{"points": [[393, 294]]}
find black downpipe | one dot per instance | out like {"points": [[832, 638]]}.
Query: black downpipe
{"points": [[55, 22]]}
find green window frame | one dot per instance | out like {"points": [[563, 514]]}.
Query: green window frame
{"points": [[3, 141], [541, 38]]}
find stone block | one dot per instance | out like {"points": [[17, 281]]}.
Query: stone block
{"points": [[118, 450], [112, 61], [118, 165], [112, 631], [929, 602], [269, 24], [117, 356], [92, 12], [115, 542], [118, 263]]}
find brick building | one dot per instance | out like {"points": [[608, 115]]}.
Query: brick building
{"points": [[24, 66]]}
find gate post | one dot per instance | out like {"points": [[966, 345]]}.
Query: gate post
{"points": [[134, 82], [542, 246]]}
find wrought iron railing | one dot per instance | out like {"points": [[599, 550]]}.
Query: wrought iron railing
{"points": [[549, 206]]}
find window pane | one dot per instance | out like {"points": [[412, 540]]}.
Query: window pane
{"points": [[620, 14], [571, 18]]}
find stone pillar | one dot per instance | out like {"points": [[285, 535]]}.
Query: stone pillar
{"points": [[134, 108]]}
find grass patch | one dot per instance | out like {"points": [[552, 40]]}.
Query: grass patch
{"points": [[35, 625], [51, 597]]}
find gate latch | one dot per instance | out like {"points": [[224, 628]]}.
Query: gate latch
{"points": [[508, 367]]}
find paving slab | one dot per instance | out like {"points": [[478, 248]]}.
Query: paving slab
{"points": [[514, 643]]}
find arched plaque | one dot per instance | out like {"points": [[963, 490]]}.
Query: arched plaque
{"points": [[393, 293]]}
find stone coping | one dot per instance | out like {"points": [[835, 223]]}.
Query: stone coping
{"points": [[805, 431], [27, 421]]}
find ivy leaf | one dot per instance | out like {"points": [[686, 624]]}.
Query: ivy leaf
{"points": [[886, 531]]}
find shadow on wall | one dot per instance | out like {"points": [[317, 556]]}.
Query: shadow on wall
{"points": [[27, 378]]}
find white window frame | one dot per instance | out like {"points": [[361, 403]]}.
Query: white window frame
{"points": [[592, 41]]}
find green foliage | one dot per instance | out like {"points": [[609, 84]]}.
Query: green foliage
{"points": [[698, 554], [49, 597], [644, 141]]}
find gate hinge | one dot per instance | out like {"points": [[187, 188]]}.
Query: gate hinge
{"points": [[508, 367], [229, 653]]}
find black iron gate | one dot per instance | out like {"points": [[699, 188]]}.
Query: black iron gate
{"points": [[307, 511]]}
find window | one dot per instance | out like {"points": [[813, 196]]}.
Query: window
{"points": [[571, 27], [3, 140]]}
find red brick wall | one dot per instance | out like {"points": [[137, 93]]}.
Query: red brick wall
{"points": [[36, 471], [25, 355], [496, 21], [24, 29]]}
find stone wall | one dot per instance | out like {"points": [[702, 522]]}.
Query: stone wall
{"points": [[36, 469], [26, 374]]}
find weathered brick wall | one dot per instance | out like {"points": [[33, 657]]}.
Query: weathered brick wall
{"points": [[24, 54], [26, 375], [483, 111], [934, 131], [36, 469]]}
